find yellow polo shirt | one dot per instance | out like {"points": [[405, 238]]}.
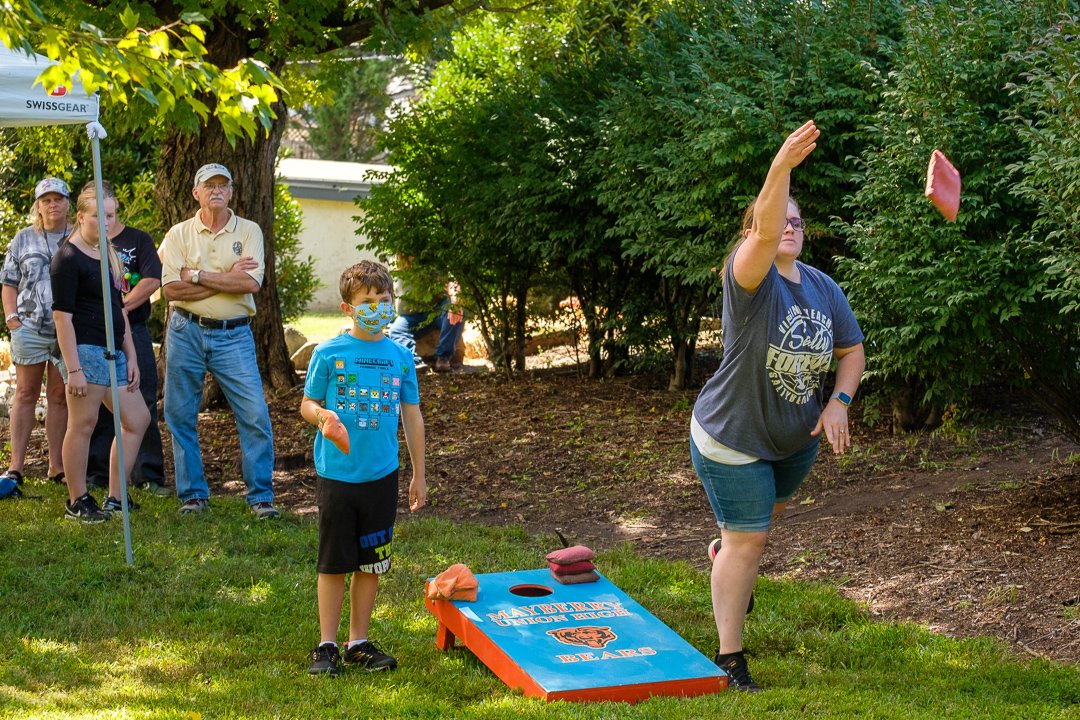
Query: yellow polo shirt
{"points": [[191, 244]]}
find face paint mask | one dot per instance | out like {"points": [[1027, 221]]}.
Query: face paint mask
{"points": [[373, 317]]}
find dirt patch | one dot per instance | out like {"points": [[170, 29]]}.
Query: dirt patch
{"points": [[971, 531]]}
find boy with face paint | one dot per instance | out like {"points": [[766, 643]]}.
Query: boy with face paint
{"points": [[365, 381]]}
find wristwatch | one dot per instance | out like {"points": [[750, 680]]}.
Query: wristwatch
{"points": [[195, 276], [843, 397], [11, 316]]}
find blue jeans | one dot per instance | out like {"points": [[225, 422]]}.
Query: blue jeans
{"points": [[150, 466], [742, 496], [229, 355], [407, 328]]}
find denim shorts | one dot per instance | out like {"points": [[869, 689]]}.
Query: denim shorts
{"points": [[28, 347], [96, 368], [742, 496]]}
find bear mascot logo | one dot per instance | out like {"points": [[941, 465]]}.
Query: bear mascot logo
{"points": [[586, 636]]}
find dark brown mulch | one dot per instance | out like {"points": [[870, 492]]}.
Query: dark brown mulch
{"points": [[973, 531]]}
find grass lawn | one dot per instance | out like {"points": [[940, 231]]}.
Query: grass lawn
{"points": [[320, 326], [217, 615]]}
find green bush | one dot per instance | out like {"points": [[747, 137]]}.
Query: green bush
{"points": [[296, 280], [945, 306], [694, 120], [1048, 122]]}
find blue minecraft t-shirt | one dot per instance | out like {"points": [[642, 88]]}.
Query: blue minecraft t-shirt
{"points": [[364, 383]]}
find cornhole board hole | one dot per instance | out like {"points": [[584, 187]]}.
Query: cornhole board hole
{"points": [[586, 642]]}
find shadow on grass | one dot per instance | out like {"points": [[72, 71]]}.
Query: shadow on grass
{"points": [[217, 616]]}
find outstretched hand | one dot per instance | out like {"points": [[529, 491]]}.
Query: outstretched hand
{"points": [[798, 145]]}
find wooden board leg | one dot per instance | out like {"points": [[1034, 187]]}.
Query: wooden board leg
{"points": [[444, 639]]}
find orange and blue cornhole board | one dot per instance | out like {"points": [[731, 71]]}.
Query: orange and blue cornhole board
{"points": [[586, 642]]}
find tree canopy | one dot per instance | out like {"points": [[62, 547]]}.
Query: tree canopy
{"points": [[208, 76]]}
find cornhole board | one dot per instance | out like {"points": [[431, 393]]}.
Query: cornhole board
{"points": [[586, 642]]}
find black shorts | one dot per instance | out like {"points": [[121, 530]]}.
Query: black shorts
{"points": [[356, 524]]}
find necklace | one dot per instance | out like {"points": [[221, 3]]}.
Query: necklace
{"points": [[96, 247]]}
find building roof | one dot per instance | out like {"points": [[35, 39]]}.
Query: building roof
{"points": [[327, 179]]}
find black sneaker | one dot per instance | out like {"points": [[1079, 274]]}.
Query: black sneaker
{"points": [[365, 654], [112, 505], [324, 660], [85, 509], [737, 671], [194, 506]]}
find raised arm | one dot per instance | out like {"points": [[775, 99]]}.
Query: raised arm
{"points": [[756, 254]]}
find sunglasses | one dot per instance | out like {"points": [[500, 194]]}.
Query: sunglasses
{"points": [[796, 223]]}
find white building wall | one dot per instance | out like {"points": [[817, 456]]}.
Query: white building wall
{"points": [[326, 192], [329, 237]]}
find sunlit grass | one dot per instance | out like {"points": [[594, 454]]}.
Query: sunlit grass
{"points": [[217, 616], [318, 327]]}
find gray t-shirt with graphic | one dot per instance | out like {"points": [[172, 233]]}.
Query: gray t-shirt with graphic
{"points": [[26, 268], [767, 394]]}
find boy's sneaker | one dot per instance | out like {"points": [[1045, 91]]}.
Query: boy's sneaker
{"points": [[324, 660], [195, 505], [714, 547], [112, 505], [265, 510], [365, 654], [737, 671], [85, 509]]}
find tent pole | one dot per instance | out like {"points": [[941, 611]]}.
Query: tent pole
{"points": [[110, 344]]}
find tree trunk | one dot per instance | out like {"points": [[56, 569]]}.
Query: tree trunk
{"points": [[252, 164], [909, 412], [683, 368]]}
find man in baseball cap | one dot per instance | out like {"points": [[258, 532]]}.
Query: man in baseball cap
{"points": [[211, 170], [51, 185], [210, 330]]}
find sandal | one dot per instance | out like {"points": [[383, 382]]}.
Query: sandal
{"points": [[58, 478], [15, 475]]}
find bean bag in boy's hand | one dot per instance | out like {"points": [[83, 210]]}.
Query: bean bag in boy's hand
{"points": [[335, 432], [456, 582], [943, 185]]}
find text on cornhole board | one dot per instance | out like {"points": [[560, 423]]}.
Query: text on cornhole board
{"points": [[585, 642]]}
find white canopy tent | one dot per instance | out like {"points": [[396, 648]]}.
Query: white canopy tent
{"points": [[25, 102]]}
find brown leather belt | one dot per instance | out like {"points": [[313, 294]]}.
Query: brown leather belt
{"points": [[213, 323]]}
